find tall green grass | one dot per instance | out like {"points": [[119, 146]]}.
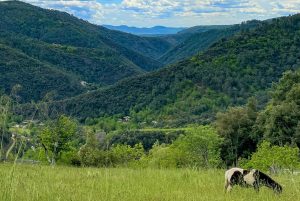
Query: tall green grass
{"points": [[41, 183]]}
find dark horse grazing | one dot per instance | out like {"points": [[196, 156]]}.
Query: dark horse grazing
{"points": [[246, 178]]}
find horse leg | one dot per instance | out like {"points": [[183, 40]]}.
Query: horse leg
{"points": [[226, 185], [229, 187], [256, 186]]}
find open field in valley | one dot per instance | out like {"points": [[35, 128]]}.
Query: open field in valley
{"points": [[26, 182]]}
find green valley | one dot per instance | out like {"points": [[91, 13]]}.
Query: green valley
{"points": [[89, 113]]}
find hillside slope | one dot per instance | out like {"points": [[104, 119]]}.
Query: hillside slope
{"points": [[183, 35], [71, 47], [36, 78], [56, 27], [193, 90], [200, 38], [93, 65]]}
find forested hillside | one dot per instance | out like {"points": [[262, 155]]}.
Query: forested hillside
{"points": [[61, 28], [34, 78], [233, 63], [93, 65], [197, 39], [193, 90], [88, 53], [183, 35], [72, 47]]}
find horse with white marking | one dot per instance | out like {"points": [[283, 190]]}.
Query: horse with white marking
{"points": [[249, 178]]}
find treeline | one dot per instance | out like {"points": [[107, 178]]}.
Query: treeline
{"points": [[245, 128], [250, 136]]}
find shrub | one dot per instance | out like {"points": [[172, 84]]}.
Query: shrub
{"points": [[200, 147], [163, 156], [274, 158], [90, 156], [124, 154]]}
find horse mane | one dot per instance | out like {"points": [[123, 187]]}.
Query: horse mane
{"points": [[267, 181]]}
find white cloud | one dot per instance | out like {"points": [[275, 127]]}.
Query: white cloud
{"points": [[292, 6], [184, 7], [91, 10], [172, 12]]}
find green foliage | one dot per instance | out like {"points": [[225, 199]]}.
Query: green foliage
{"points": [[35, 78], [163, 156], [200, 40], [125, 155], [279, 121], [147, 138], [58, 137], [36, 154], [184, 35], [269, 157], [200, 147], [90, 154], [45, 46], [45, 55], [6, 115], [237, 67], [236, 126], [109, 124], [102, 66], [56, 27]]}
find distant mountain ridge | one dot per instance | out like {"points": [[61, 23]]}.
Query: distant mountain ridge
{"points": [[199, 38], [81, 50], [156, 30], [193, 90], [70, 46], [84, 70]]}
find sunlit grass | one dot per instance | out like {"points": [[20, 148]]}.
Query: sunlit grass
{"points": [[26, 182]]}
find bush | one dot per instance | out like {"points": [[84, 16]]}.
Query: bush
{"points": [[200, 147], [125, 155], [274, 158], [36, 154], [163, 156], [120, 155], [90, 156], [69, 158]]}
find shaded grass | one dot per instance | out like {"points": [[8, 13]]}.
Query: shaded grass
{"points": [[43, 183]]}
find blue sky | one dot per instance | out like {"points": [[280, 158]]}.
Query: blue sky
{"points": [[176, 13]]}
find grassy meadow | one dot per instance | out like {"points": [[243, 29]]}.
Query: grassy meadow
{"points": [[41, 183]]}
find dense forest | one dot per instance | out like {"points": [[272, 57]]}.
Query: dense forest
{"points": [[91, 54], [194, 90], [240, 135], [71, 46], [197, 39], [79, 94], [35, 79]]}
